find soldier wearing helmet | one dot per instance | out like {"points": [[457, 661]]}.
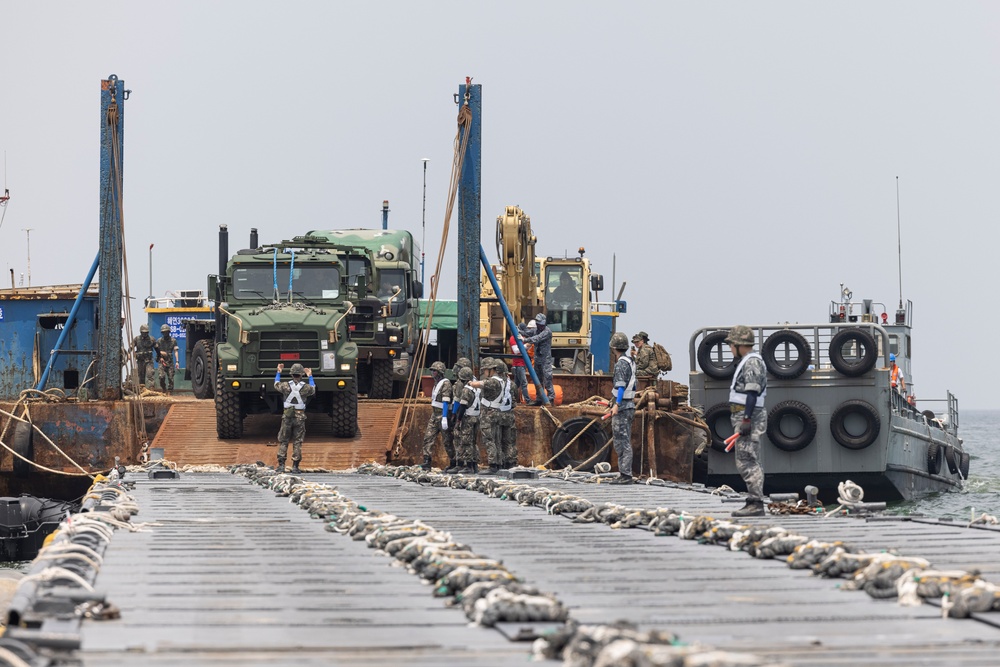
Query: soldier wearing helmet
{"points": [[622, 406], [748, 416], [645, 360], [542, 340], [167, 357], [294, 393], [497, 417], [142, 348], [467, 423], [441, 399], [456, 391]]}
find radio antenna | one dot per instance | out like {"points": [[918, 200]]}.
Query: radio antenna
{"points": [[899, 247]]}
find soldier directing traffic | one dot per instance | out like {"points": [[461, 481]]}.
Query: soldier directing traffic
{"points": [[623, 406], [293, 418], [167, 357], [142, 347], [749, 419]]}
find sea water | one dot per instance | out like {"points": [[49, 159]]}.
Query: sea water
{"points": [[980, 431]]}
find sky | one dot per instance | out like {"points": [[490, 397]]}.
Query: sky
{"points": [[730, 162]]}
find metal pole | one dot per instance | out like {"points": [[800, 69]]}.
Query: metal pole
{"points": [[469, 227], [151, 270], [108, 377], [27, 235], [70, 321], [423, 223], [385, 214]]}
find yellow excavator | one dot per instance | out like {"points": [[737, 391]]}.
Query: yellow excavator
{"points": [[561, 288]]}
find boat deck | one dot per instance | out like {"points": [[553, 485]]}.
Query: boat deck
{"points": [[237, 575]]}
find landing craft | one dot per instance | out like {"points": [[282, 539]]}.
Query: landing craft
{"points": [[833, 413]]}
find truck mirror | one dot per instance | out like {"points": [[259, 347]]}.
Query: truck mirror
{"points": [[596, 282], [418, 289]]}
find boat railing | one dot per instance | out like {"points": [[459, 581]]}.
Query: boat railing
{"points": [[179, 299], [817, 335]]}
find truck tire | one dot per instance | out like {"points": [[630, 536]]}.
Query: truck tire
{"points": [[202, 363], [344, 414], [228, 416], [381, 379]]}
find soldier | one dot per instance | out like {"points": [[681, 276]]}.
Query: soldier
{"points": [[142, 347], [293, 419], [543, 357], [749, 419], [623, 407], [456, 390], [438, 422], [645, 360], [167, 357], [466, 423], [497, 417]]}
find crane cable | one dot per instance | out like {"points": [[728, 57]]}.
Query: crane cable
{"points": [[407, 414]]}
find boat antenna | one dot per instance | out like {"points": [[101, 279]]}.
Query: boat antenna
{"points": [[423, 222], [899, 247], [6, 193]]}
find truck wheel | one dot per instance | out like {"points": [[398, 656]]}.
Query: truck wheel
{"points": [[201, 370], [381, 379], [228, 416], [344, 414]]}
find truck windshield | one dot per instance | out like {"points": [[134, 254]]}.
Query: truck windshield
{"points": [[253, 283], [564, 297], [389, 280]]}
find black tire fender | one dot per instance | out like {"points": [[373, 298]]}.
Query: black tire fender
{"points": [[712, 417], [963, 465], [934, 458], [864, 363], [838, 425], [711, 367], [23, 444], [796, 410], [592, 440], [784, 370], [952, 458]]}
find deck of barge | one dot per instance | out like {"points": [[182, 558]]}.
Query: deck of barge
{"points": [[236, 575]]}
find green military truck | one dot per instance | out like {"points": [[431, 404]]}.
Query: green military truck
{"points": [[385, 326], [287, 303]]}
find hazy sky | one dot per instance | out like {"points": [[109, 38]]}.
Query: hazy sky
{"points": [[738, 159]]}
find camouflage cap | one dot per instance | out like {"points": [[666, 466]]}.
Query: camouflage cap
{"points": [[438, 366], [619, 341], [465, 374], [165, 328], [143, 329], [297, 369], [642, 335], [740, 335]]}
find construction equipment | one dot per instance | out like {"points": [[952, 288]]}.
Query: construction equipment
{"points": [[562, 288]]}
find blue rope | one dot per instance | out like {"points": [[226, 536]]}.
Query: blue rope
{"points": [[291, 270]]}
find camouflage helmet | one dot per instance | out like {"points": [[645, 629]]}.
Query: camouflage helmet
{"points": [[165, 328], [540, 319], [619, 341], [144, 329], [465, 374], [297, 370], [486, 364], [500, 367], [642, 335], [740, 335], [463, 362], [438, 367]]}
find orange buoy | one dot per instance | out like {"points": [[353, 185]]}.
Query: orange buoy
{"points": [[556, 387]]}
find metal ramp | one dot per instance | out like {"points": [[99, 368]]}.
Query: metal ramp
{"points": [[188, 437]]}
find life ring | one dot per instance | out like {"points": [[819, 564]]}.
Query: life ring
{"points": [[797, 415], [963, 465], [934, 457], [586, 445], [712, 368], [23, 445], [951, 457], [785, 369], [712, 417], [858, 364], [844, 424]]}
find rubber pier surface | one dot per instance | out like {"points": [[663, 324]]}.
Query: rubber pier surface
{"points": [[237, 575]]}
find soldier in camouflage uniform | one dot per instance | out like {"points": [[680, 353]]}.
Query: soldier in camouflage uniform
{"points": [[645, 360], [749, 418], [497, 417], [543, 357], [623, 407], [467, 423], [142, 347], [438, 421], [456, 388], [294, 394], [167, 357]]}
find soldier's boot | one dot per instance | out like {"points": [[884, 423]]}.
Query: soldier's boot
{"points": [[494, 468], [281, 465], [475, 467], [295, 467], [464, 468], [426, 465], [511, 464], [452, 466], [752, 508], [622, 479]]}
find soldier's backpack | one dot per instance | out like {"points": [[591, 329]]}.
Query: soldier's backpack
{"points": [[663, 361]]}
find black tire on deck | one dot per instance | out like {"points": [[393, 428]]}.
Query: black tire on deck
{"points": [[952, 458], [381, 379], [794, 410], [584, 447], [782, 369], [963, 465], [344, 413], [935, 456], [202, 382], [860, 365], [838, 425], [711, 367], [23, 445], [228, 415], [712, 417]]}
